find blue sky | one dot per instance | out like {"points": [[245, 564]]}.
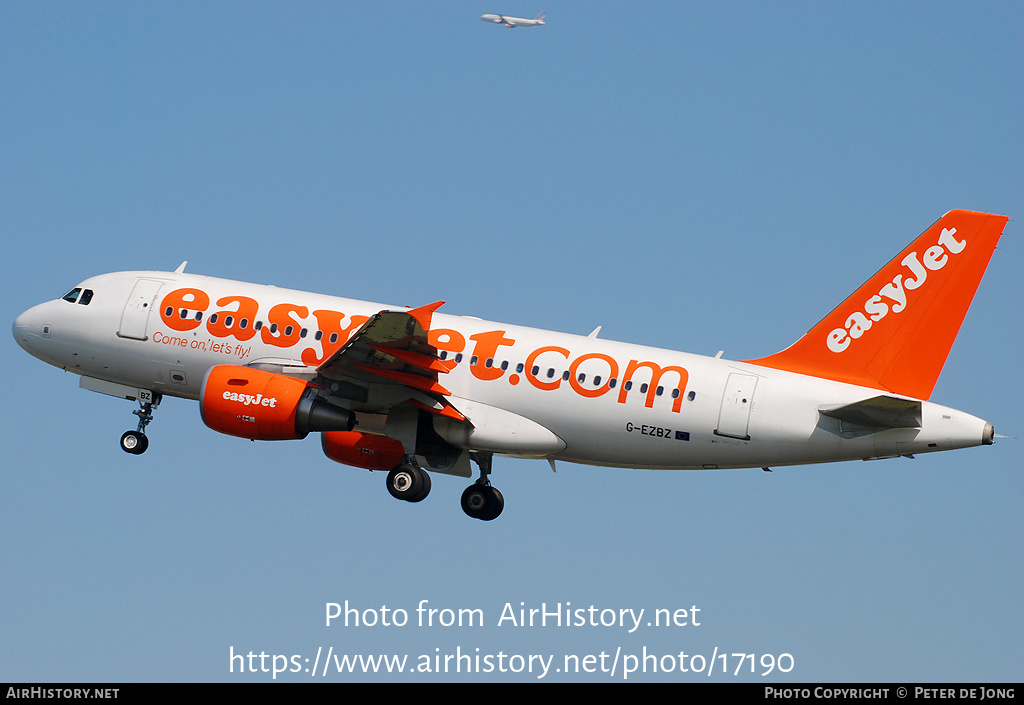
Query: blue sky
{"points": [[698, 176]]}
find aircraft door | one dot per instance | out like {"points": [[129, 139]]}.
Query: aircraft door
{"points": [[734, 417], [135, 316]]}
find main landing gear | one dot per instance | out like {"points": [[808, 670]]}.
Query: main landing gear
{"points": [[411, 483], [136, 442], [480, 500]]}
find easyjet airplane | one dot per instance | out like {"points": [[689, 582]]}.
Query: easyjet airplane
{"points": [[411, 390], [513, 22]]}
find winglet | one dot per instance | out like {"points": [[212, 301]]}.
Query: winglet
{"points": [[424, 313], [895, 331]]}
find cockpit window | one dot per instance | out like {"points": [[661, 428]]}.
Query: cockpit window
{"points": [[86, 297], [72, 295]]}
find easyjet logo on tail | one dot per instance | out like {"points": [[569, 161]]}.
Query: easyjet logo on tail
{"points": [[895, 296]]}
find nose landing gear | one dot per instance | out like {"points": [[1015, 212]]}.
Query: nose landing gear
{"points": [[136, 442]]}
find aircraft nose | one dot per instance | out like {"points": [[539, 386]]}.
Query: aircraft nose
{"points": [[21, 324], [28, 327]]}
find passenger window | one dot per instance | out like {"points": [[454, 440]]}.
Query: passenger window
{"points": [[72, 295], [86, 297]]}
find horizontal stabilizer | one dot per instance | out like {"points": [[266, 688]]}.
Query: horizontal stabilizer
{"points": [[879, 412]]}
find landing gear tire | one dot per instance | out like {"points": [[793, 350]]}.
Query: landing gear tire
{"points": [[482, 502], [409, 483], [134, 442], [424, 486]]}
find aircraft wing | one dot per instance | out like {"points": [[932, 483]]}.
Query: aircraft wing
{"points": [[388, 361]]}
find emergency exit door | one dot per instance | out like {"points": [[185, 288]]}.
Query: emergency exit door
{"points": [[734, 417]]}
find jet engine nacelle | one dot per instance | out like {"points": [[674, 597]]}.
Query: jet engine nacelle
{"points": [[263, 406], [362, 450]]}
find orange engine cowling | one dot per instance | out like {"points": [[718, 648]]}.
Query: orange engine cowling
{"points": [[263, 406], [362, 450]]}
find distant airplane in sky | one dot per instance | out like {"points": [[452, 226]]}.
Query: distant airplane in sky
{"points": [[513, 22], [410, 390]]}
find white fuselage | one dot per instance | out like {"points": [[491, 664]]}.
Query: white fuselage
{"points": [[604, 402], [512, 21]]}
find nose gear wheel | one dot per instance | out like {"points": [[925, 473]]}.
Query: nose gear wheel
{"points": [[136, 442]]}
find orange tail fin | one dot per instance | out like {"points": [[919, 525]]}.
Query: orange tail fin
{"points": [[895, 331]]}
